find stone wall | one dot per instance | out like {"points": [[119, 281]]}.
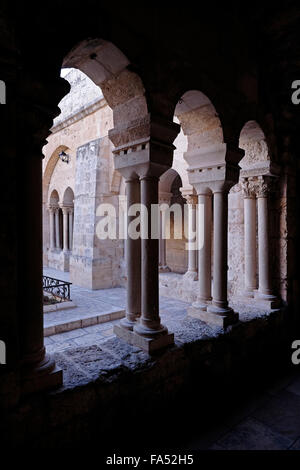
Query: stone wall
{"points": [[94, 263]]}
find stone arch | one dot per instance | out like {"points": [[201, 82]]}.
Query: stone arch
{"points": [[68, 197], [123, 89], [199, 120], [54, 198], [253, 141], [167, 179], [49, 170]]}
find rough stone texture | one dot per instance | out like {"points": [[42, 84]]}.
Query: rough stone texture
{"points": [[98, 380]]}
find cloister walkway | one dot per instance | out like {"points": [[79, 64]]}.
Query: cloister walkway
{"points": [[98, 302]]}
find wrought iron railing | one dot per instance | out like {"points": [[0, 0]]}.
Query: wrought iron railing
{"points": [[59, 289]]}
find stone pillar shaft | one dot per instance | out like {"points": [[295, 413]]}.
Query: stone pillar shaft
{"points": [[133, 259], [192, 252], [51, 227], [204, 253], [37, 368], [220, 249], [150, 319], [57, 234], [65, 230], [250, 243], [263, 246], [71, 229]]}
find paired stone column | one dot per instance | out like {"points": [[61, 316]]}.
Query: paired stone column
{"points": [[204, 250], [51, 227], [213, 170], [249, 194], [164, 201], [265, 292], [219, 300], [191, 273], [71, 215], [57, 234], [65, 212], [133, 258], [148, 158]]}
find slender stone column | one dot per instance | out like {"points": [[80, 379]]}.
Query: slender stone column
{"points": [[204, 253], [133, 259], [37, 368], [51, 226], [263, 239], [71, 214], [65, 229], [220, 250], [219, 309], [249, 236], [162, 241], [149, 324], [192, 252], [57, 236]]}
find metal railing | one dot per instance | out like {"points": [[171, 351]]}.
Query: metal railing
{"points": [[59, 289]]}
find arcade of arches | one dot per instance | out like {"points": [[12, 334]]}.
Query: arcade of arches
{"points": [[159, 128]]}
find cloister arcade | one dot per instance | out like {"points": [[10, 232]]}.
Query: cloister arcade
{"points": [[166, 108]]}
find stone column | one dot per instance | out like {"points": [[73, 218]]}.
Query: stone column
{"points": [[149, 156], [192, 240], [149, 332], [204, 252], [65, 212], [249, 236], [149, 324], [51, 227], [219, 311], [163, 267], [265, 292], [71, 212], [133, 259], [37, 368], [57, 236]]}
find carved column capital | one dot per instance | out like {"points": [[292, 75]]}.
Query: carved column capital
{"points": [[191, 199], [249, 188], [264, 186]]}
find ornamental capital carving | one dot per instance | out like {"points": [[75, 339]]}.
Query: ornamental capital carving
{"points": [[264, 186], [249, 188], [52, 207], [191, 199]]}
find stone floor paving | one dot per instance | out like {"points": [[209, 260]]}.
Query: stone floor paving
{"points": [[94, 302], [268, 420]]}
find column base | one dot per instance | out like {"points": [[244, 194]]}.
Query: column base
{"points": [[164, 269], [214, 315], [265, 300], [191, 276], [127, 324], [199, 305], [249, 293], [149, 345], [44, 376]]}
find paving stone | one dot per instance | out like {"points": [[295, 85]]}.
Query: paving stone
{"points": [[294, 386], [296, 445], [253, 435], [282, 414], [95, 361], [64, 337]]}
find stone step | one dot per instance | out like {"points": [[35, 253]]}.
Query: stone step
{"points": [[70, 321]]}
